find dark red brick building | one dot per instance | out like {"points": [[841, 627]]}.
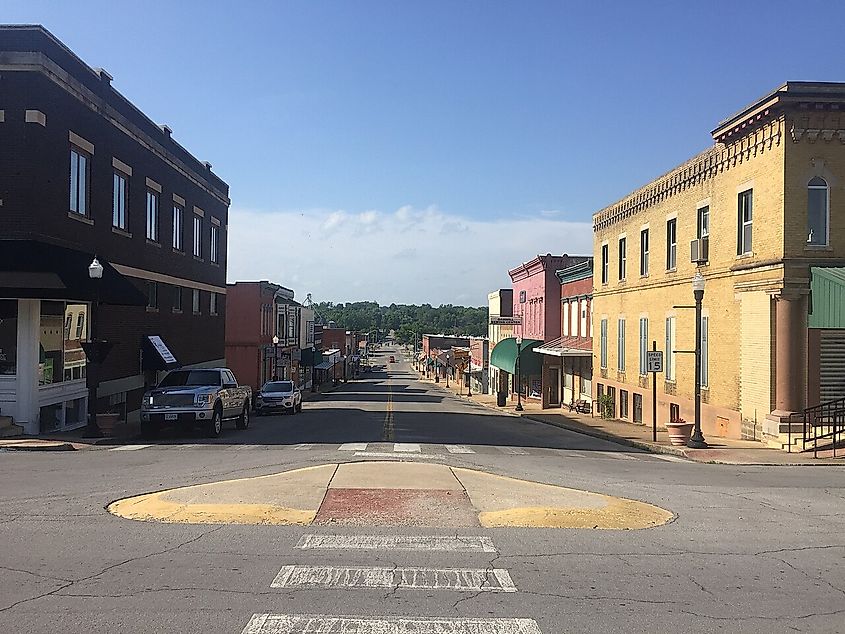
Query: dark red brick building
{"points": [[83, 172]]}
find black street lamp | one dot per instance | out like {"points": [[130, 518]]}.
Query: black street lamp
{"points": [[448, 359], [275, 357], [95, 272], [518, 375], [469, 371], [697, 441], [313, 369]]}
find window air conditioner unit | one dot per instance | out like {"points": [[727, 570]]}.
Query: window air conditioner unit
{"points": [[700, 250]]}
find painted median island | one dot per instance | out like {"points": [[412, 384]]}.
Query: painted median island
{"points": [[390, 494]]}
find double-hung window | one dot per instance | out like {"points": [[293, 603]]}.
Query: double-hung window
{"points": [[177, 299], [623, 257], [152, 215], [643, 346], [212, 304], [195, 301], [671, 244], [215, 244], [80, 181], [120, 199], [818, 212], [744, 216], [152, 294], [605, 263], [703, 223], [604, 343], [669, 365], [565, 319], [620, 345], [178, 226], [644, 252], [197, 236]]}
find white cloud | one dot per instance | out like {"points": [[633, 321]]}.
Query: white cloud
{"points": [[407, 256]]}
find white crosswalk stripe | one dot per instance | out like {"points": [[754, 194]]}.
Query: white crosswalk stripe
{"points": [[441, 543], [459, 579], [404, 447], [129, 447], [405, 455], [668, 458], [326, 624], [513, 451], [617, 455], [459, 449], [353, 446], [304, 446]]}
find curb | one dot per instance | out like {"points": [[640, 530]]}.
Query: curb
{"points": [[638, 444], [65, 446]]}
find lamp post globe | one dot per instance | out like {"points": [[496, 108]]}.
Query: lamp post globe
{"points": [[95, 269]]}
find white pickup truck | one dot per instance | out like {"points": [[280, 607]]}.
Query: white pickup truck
{"points": [[203, 397]]}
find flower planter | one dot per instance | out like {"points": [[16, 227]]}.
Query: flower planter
{"points": [[106, 423], [679, 432]]}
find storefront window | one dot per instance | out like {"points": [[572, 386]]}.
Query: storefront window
{"points": [[51, 343], [8, 336], [74, 356], [61, 357]]}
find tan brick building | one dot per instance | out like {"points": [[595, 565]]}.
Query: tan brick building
{"points": [[767, 202]]}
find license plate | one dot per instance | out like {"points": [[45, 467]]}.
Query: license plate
{"points": [[171, 416]]}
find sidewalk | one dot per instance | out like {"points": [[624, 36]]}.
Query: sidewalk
{"points": [[721, 451], [123, 432]]}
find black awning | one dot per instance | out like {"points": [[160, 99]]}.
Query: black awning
{"points": [[155, 355], [36, 270]]}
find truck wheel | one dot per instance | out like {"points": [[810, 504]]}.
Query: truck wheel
{"points": [[215, 425], [243, 420]]}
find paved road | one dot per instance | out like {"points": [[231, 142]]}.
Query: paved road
{"points": [[753, 549]]}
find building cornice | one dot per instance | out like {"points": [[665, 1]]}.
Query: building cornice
{"points": [[577, 272], [807, 111], [38, 62]]}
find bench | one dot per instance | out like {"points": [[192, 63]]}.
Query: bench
{"points": [[581, 406]]}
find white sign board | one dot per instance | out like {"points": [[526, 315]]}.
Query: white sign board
{"points": [[162, 349], [654, 360], [506, 321]]}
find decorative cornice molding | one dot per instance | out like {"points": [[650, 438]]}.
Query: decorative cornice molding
{"points": [[702, 167], [11, 61]]}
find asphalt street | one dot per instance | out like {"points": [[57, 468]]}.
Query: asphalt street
{"points": [[751, 549]]}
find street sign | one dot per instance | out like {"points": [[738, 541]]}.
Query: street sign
{"points": [[654, 360], [506, 321]]}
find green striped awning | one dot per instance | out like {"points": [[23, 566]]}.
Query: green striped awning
{"points": [[504, 356]]}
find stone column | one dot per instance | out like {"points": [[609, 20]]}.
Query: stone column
{"points": [[29, 335], [790, 369]]}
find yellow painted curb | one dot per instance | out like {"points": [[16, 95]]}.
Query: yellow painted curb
{"points": [[153, 508], [620, 514]]}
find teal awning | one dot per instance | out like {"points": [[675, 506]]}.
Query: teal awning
{"points": [[504, 356]]}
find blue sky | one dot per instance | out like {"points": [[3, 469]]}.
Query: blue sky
{"points": [[387, 137]]}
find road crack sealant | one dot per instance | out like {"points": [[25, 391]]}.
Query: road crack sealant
{"points": [[73, 582]]}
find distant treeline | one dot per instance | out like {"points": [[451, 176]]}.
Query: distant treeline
{"points": [[406, 319]]}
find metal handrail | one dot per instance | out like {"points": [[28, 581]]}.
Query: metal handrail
{"points": [[826, 420]]}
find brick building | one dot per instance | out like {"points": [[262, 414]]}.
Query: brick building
{"points": [[761, 215], [499, 304], [536, 301], [568, 360], [262, 333], [83, 172]]}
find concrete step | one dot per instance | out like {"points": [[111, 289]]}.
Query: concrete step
{"points": [[8, 427]]}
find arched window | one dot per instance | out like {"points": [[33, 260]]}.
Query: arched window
{"points": [[818, 211]]}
